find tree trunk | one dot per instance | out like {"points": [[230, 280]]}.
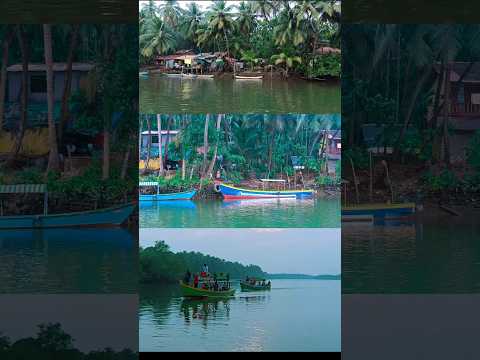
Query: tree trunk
{"points": [[149, 144], [214, 158], [160, 158], [106, 151], [126, 159], [167, 141], [446, 110], [53, 160], [205, 145], [68, 83], [20, 132], [3, 72]]}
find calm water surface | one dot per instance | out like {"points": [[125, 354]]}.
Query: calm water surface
{"points": [[162, 94], [274, 213], [68, 261], [296, 315], [430, 257]]}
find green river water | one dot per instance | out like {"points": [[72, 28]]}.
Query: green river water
{"points": [[162, 94], [296, 315], [261, 213]]}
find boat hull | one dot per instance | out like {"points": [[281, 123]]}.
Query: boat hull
{"points": [[239, 77], [377, 211], [248, 287], [191, 292], [186, 195], [114, 216], [233, 193]]}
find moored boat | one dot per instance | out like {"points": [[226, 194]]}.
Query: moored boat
{"points": [[255, 285], [198, 292], [207, 76], [173, 74], [185, 195], [113, 216], [243, 77], [368, 212], [189, 76], [233, 193]]}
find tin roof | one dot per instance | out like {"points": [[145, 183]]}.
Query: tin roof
{"points": [[56, 67]]}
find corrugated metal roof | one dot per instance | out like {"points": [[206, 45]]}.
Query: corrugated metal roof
{"points": [[56, 67], [23, 189]]}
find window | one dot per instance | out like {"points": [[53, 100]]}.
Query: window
{"points": [[38, 84]]}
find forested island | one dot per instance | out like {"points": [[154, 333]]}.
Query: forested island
{"points": [[52, 342], [298, 38]]}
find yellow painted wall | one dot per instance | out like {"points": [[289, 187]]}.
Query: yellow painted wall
{"points": [[35, 142], [153, 164]]}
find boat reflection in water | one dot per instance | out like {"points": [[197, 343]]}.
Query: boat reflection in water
{"points": [[269, 203], [67, 260], [180, 204], [205, 309]]}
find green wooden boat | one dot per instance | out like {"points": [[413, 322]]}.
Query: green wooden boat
{"points": [[245, 286], [190, 291]]}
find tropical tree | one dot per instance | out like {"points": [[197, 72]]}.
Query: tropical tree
{"points": [[220, 21], [287, 61]]}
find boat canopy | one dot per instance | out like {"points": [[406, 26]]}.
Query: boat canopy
{"points": [[148, 183], [25, 189]]}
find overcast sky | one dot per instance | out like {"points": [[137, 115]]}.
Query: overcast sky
{"points": [[305, 251], [94, 321]]}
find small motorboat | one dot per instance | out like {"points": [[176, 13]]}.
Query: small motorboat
{"points": [[199, 292], [370, 212], [251, 77], [255, 285], [185, 195]]}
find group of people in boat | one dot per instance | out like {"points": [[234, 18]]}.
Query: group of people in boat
{"points": [[255, 282], [205, 280]]}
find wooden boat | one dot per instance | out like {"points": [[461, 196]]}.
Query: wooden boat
{"points": [[190, 291], [189, 76], [173, 74], [208, 76], [113, 216], [185, 195], [233, 193], [143, 73], [377, 211], [243, 77], [246, 286]]}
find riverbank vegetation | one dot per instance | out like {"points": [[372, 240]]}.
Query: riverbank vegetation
{"points": [[303, 150], [52, 342], [294, 37], [158, 264], [68, 113], [410, 113]]}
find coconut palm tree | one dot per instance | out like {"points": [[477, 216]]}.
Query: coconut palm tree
{"points": [[191, 21], [287, 61], [53, 160], [264, 8], [170, 12], [220, 21], [246, 19], [156, 38]]}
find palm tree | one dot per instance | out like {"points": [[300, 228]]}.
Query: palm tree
{"points": [[220, 21], [264, 8], [191, 21], [288, 61], [9, 33], [53, 160], [156, 38], [246, 19], [170, 12]]}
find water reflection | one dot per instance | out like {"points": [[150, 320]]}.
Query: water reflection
{"points": [[67, 260], [202, 310], [420, 257], [162, 94]]}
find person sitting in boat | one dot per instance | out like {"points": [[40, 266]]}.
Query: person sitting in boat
{"points": [[204, 286], [215, 285], [248, 279], [204, 270], [195, 281], [268, 284], [187, 277], [263, 282]]}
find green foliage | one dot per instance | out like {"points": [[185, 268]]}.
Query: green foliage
{"points": [[473, 152], [358, 155], [159, 264], [323, 65], [446, 180]]}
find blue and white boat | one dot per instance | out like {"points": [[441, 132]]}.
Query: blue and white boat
{"points": [[185, 195], [233, 193], [370, 212]]}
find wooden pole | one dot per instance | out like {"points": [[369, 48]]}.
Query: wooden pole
{"points": [[388, 180], [355, 181], [371, 177]]}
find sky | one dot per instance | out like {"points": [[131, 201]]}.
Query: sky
{"points": [[94, 321], [300, 251]]}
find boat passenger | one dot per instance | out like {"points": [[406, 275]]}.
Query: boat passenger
{"points": [[247, 279], [215, 285], [268, 284], [205, 268], [195, 281], [187, 277]]}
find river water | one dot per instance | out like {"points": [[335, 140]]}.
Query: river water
{"points": [[162, 94], [68, 261], [261, 213], [441, 256], [296, 315]]}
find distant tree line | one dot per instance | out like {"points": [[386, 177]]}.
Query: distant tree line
{"points": [[52, 342], [158, 264]]}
